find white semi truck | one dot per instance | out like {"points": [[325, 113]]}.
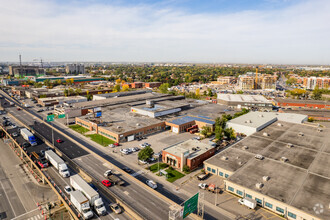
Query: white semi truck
{"points": [[81, 203], [250, 203], [28, 136], [58, 163], [94, 198]]}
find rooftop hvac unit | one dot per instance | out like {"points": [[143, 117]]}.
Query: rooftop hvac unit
{"points": [[118, 127], [248, 121], [265, 178], [224, 158], [279, 124], [289, 145], [259, 156], [261, 116], [300, 134], [245, 147], [240, 163], [284, 159], [137, 124], [259, 185], [319, 130], [265, 134]]}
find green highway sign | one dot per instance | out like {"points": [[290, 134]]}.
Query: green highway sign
{"points": [[50, 117], [190, 205], [61, 116]]}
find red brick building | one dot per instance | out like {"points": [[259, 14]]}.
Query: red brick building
{"points": [[152, 84], [137, 85], [297, 103], [191, 153]]}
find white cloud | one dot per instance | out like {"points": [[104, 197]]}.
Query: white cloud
{"points": [[296, 34]]}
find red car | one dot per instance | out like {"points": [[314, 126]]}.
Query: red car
{"points": [[106, 183], [18, 109], [116, 144], [59, 141]]}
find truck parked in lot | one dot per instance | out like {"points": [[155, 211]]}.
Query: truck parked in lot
{"points": [[28, 136], [57, 162], [81, 203], [209, 187], [250, 203], [202, 176], [93, 197]]}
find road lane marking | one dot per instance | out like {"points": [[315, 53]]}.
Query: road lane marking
{"points": [[126, 193], [8, 199]]}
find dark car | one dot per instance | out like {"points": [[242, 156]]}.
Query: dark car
{"points": [[94, 187], [25, 144], [127, 170]]}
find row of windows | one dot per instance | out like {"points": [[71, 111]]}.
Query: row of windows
{"points": [[259, 201], [220, 173], [82, 124], [107, 135]]}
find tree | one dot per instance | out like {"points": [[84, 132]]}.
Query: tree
{"points": [[163, 88], [118, 81], [71, 81], [198, 92], [206, 131], [145, 153], [291, 81], [204, 93], [116, 88], [71, 91], [47, 82], [230, 133], [186, 169], [125, 87], [66, 92], [78, 91], [210, 93], [218, 132], [317, 93], [89, 97]]}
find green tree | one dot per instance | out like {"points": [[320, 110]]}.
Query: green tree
{"points": [[291, 81], [89, 97], [116, 88], [78, 91], [210, 93], [218, 132], [230, 133], [186, 169], [66, 92], [206, 131], [163, 88], [145, 153], [317, 93]]}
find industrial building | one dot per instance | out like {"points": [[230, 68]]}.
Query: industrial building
{"points": [[191, 153], [239, 101], [304, 104], [256, 121], [75, 79], [75, 68], [19, 71], [159, 109], [119, 94], [61, 100], [284, 167], [181, 124]]}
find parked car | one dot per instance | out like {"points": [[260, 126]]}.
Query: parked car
{"points": [[203, 176], [115, 208], [15, 134], [152, 159], [106, 183], [107, 173], [40, 110], [111, 145], [116, 144], [132, 149], [143, 161], [124, 151], [25, 144], [136, 148], [144, 145], [14, 126], [152, 184], [67, 189]]}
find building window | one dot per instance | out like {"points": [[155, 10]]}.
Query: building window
{"points": [[268, 205], [230, 188], [213, 170], [239, 192], [292, 215], [259, 201], [221, 173], [226, 175], [279, 209], [248, 196], [208, 169]]}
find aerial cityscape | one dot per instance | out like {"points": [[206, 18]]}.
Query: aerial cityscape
{"points": [[156, 110]]}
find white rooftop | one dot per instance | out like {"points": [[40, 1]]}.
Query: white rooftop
{"points": [[242, 98]]}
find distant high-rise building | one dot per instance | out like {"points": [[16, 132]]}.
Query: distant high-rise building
{"points": [[249, 81], [25, 71], [75, 69]]}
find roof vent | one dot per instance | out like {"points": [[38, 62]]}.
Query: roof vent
{"points": [[300, 134], [245, 147], [240, 163], [265, 134], [289, 145], [118, 127], [137, 124], [284, 159], [248, 121], [319, 130], [265, 178], [259, 185], [224, 158], [279, 124], [261, 116]]}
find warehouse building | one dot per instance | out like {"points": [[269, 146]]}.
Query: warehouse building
{"points": [[61, 100], [159, 109], [191, 153], [256, 121], [304, 104], [119, 94], [284, 167], [180, 124], [239, 101]]}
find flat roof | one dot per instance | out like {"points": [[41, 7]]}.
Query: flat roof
{"points": [[163, 105], [243, 98], [121, 120], [280, 100], [189, 118], [195, 148], [253, 119], [119, 94], [302, 181]]}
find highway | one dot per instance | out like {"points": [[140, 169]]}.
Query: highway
{"points": [[145, 202]]}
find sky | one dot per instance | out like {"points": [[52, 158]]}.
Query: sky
{"points": [[208, 31]]}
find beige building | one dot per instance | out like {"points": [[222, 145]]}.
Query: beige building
{"points": [[284, 167], [250, 81], [226, 80]]}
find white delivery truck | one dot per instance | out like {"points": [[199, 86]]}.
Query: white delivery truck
{"points": [[250, 203], [28, 136], [58, 163], [94, 198], [81, 203]]}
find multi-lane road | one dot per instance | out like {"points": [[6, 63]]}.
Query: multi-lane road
{"points": [[141, 200]]}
